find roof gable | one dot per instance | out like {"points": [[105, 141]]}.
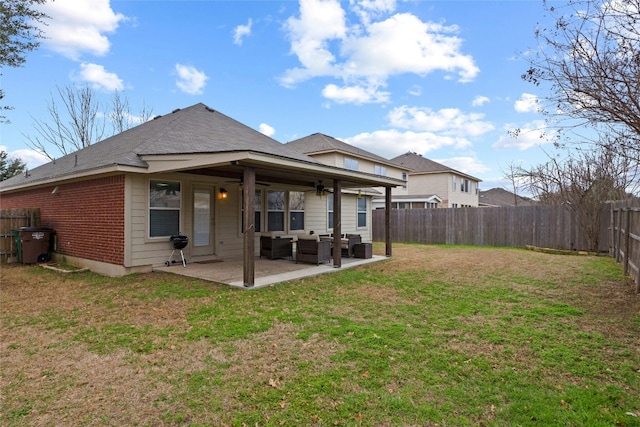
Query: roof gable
{"points": [[419, 164], [320, 143]]}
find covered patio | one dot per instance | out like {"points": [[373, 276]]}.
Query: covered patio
{"points": [[268, 272]]}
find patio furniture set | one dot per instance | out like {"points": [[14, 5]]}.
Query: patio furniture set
{"points": [[312, 248]]}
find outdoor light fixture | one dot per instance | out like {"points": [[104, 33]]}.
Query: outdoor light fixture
{"points": [[223, 193], [359, 194]]}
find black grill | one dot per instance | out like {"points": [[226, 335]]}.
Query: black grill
{"points": [[179, 242]]}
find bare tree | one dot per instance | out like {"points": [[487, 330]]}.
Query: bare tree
{"points": [[583, 181], [78, 120], [79, 125], [121, 117], [120, 113], [512, 173], [590, 57]]}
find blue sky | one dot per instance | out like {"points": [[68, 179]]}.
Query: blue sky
{"points": [[439, 78]]}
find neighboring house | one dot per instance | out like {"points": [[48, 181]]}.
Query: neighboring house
{"points": [[332, 151], [194, 171], [429, 181], [419, 201], [499, 197]]}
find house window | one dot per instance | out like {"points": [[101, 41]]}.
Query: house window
{"points": [[330, 211], [164, 208], [404, 178], [275, 210], [453, 183], [380, 170], [465, 185], [362, 212], [296, 210], [257, 207], [351, 164]]}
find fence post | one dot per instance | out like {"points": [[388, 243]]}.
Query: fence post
{"points": [[612, 231], [627, 238], [618, 234]]}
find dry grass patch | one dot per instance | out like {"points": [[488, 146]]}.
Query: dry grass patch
{"points": [[435, 335]]}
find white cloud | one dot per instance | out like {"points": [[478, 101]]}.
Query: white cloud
{"points": [[527, 103], [479, 101], [422, 130], [465, 164], [31, 158], [241, 31], [320, 21], [448, 121], [354, 94], [405, 44], [368, 52], [369, 9], [190, 80], [266, 129], [530, 135], [79, 26], [415, 90], [99, 77], [391, 143]]}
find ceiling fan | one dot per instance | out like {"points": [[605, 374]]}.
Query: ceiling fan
{"points": [[321, 190]]}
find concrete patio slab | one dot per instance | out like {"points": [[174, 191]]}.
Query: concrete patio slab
{"points": [[267, 272]]}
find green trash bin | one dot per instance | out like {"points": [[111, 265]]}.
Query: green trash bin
{"points": [[33, 244], [16, 239]]}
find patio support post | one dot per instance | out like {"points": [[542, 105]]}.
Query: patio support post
{"points": [[337, 226], [387, 221], [249, 217]]}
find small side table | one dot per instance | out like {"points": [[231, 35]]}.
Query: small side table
{"points": [[362, 250]]}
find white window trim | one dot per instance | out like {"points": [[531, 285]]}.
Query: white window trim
{"points": [[180, 209]]}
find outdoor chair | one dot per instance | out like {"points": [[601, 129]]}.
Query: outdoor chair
{"points": [[274, 247], [311, 249], [348, 243]]}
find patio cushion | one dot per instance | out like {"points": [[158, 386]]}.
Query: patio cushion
{"points": [[314, 237]]}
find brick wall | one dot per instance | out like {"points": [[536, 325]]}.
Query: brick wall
{"points": [[88, 216]]}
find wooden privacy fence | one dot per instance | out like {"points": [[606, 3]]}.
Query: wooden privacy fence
{"points": [[553, 227], [625, 237], [542, 226], [12, 219]]}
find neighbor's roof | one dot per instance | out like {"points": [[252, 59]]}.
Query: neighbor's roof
{"points": [[501, 198], [319, 143], [419, 165], [196, 129], [415, 198]]}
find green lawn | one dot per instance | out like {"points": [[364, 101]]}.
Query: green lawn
{"points": [[447, 336]]}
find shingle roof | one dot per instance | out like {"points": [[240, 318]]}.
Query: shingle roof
{"points": [[501, 197], [419, 164], [195, 129], [320, 143]]}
